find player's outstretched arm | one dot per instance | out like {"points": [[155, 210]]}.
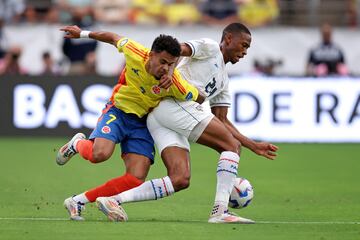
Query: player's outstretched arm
{"points": [[264, 149], [76, 32]]}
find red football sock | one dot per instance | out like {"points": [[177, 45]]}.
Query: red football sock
{"points": [[85, 149], [113, 187]]}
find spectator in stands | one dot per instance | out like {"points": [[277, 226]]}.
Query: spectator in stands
{"points": [[10, 63], [147, 12], [41, 11], [219, 12], [266, 67], [78, 53], [112, 11], [50, 67], [327, 58], [257, 13], [11, 11], [353, 7], [181, 12], [90, 63], [81, 14], [76, 12]]}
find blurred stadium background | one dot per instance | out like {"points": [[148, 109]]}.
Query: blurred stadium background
{"points": [[51, 88]]}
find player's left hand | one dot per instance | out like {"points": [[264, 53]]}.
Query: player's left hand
{"points": [[165, 81], [266, 149]]}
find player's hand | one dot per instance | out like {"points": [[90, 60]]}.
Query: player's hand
{"points": [[165, 81], [71, 31], [267, 150]]}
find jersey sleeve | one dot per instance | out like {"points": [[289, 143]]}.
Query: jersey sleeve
{"points": [[131, 47], [122, 43], [203, 48], [222, 99], [181, 89]]}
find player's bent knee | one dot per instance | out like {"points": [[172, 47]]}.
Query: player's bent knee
{"points": [[180, 183], [100, 156]]}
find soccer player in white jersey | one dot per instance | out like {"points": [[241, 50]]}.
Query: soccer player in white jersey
{"points": [[174, 122]]}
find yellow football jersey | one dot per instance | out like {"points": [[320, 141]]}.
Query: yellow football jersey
{"points": [[137, 91]]}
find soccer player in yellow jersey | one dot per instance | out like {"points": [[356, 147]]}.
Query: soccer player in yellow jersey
{"points": [[123, 121], [174, 123]]}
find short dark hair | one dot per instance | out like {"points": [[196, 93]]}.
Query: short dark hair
{"points": [[166, 43], [235, 28]]}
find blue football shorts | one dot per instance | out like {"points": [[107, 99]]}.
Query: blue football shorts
{"points": [[127, 129]]}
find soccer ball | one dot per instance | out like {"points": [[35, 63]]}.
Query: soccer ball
{"points": [[242, 193]]}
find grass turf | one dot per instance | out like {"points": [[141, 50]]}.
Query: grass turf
{"points": [[310, 192]]}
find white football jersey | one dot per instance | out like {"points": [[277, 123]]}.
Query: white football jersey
{"points": [[205, 69]]}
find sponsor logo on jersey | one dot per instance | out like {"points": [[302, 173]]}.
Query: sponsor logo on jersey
{"points": [[136, 71], [156, 89], [189, 96], [199, 108], [106, 129], [123, 42]]}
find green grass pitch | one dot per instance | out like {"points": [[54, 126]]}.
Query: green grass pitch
{"points": [[310, 192]]}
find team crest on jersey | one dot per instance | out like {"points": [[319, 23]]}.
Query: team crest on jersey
{"points": [[123, 42], [189, 96], [106, 129], [156, 89]]}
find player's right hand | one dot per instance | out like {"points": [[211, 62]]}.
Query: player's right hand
{"points": [[71, 31], [165, 81]]}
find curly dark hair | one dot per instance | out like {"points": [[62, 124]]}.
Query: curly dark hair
{"points": [[235, 28], [166, 43]]}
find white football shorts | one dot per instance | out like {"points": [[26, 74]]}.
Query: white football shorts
{"points": [[174, 123]]}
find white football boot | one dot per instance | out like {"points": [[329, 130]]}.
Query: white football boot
{"points": [[67, 151], [74, 209], [112, 209], [220, 214]]}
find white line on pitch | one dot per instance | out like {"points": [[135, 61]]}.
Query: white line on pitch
{"points": [[184, 221], [32, 219], [298, 222]]}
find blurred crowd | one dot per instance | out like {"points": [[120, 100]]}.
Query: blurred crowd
{"points": [[173, 12], [80, 55]]}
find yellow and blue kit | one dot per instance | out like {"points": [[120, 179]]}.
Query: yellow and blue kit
{"points": [[136, 93]]}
